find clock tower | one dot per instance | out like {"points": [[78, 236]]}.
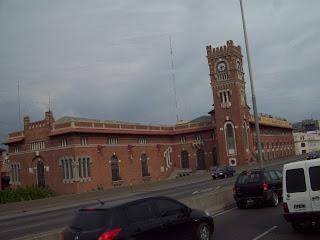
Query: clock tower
{"points": [[231, 113]]}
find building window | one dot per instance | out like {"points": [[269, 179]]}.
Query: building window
{"points": [[198, 138], [144, 165], [64, 142], [36, 146], [113, 140], [230, 138], [184, 159], [183, 139], [67, 168], [15, 173], [115, 170], [84, 140], [142, 140], [84, 168], [16, 149], [78, 170], [303, 145]]}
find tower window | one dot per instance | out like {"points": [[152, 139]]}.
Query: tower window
{"points": [[230, 138]]}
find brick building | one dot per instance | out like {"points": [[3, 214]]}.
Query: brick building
{"points": [[75, 154]]}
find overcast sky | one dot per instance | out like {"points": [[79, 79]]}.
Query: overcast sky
{"points": [[111, 60]]}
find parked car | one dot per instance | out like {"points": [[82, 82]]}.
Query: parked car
{"points": [[313, 155], [222, 172], [258, 186], [301, 193], [143, 219]]}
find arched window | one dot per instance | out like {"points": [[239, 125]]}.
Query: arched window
{"points": [[230, 138], [115, 168], [201, 165], [40, 173], [144, 165], [184, 159]]}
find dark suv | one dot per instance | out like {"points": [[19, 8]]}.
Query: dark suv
{"points": [[144, 219], [258, 187]]}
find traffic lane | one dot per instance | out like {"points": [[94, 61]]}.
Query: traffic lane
{"points": [[41, 222], [35, 223], [266, 223]]}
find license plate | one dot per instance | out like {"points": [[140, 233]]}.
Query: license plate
{"points": [[250, 201], [299, 206]]}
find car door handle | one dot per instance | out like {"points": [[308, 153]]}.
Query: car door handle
{"points": [[316, 198]]}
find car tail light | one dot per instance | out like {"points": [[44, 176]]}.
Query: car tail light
{"points": [[89, 209], [62, 235], [285, 208], [234, 189], [110, 234], [265, 187]]}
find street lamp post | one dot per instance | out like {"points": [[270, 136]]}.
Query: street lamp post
{"points": [[254, 103]]}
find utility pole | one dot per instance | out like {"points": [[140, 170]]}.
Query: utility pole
{"points": [[254, 103], [173, 79]]}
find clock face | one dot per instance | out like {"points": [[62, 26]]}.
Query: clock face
{"points": [[222, 66]]}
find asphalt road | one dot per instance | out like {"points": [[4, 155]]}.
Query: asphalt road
{"points": [[257, 224], [17, 226]]}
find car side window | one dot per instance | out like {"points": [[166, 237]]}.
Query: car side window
{"points": [[139, 212], [274, 176], [279, 173], [267, 176], [167, 207], [314, 173]]}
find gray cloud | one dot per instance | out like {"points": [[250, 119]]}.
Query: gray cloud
{"points": [[110, 59]]}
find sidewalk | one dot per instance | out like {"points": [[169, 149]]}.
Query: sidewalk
{"points": [[74, 200]]}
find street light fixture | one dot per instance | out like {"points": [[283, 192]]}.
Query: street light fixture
{"points": [[254, 103]]}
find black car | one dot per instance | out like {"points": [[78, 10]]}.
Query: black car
{"points": [[313, 155], [258, 187], [222, 172], [151, 218]]}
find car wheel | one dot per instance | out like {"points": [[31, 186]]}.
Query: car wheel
{"points": [[300, 226], [274, 202], [241, 205], [203, 232]]}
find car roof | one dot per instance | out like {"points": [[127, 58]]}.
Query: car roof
{"points": [[301, 163], [124, 202]]}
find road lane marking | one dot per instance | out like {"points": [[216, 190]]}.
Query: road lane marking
{"points": [[195, 192], [221, 213], [218, 187], [265, 233]]}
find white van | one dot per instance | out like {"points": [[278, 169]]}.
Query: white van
{"points": [[301, 193]]}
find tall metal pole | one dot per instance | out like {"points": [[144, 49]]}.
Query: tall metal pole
{"points": [[254, 103], [19, 106]]}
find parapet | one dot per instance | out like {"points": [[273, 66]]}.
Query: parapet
{"points": [[230, 47]]}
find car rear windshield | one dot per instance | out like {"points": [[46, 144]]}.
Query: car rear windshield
{"points": [[90, 219], [295, 180], [248, 178]]}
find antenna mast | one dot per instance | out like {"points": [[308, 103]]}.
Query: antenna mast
{"points": [[49, 101], [19, 105], [173, 79]]}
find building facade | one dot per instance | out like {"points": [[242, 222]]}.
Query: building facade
{"points": [[307, 125], [306, 142], [72, 155]]}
